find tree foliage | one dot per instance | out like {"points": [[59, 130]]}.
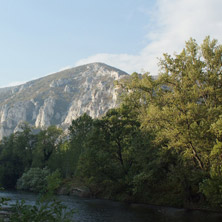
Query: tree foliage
{"points": [[182, 109]]}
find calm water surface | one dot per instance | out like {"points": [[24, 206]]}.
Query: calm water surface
{"points": [[96, 210]]}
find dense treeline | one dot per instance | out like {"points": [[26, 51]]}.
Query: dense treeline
{"points": [[162, 145]]}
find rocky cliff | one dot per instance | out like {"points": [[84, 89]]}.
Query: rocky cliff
{"points": [[59, 98]]}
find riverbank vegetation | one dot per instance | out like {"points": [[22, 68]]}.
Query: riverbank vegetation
{"points": [[45, 209], [162, 145]]}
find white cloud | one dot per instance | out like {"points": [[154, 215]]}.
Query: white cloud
{"points": [[13, 84], [64, 68], [175, 22]]}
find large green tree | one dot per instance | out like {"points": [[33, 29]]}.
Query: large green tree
{"points": [[78, 138], [113, 154], [181, 107], [47, 145]]}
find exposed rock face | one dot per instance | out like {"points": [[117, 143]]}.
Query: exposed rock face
{"points": [[59, 98]]}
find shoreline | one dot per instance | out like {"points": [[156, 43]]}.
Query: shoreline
{"points": [[132, 205]]}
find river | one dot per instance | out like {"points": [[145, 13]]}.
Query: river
{"points": [[96, 210]]}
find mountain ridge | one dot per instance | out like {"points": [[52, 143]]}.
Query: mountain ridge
{"points": [[61, 71]]}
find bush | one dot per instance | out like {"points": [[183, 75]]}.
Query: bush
{"points": [[49, 211], [39, 180]]}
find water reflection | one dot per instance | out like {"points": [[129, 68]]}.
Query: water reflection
{"points": [[95, 210]]}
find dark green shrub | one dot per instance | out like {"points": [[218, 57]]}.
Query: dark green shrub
{"points": [[42, 211], [35, 179]]}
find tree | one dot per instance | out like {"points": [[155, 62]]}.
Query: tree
{"points": [[211, 187], [112, 155], [15, 155], [47, 144], [78, 137], [179, 108]]}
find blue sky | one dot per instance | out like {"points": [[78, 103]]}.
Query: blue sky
{"points": [[38, 37]]}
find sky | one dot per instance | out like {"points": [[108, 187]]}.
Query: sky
{"points": [[40, 37]]}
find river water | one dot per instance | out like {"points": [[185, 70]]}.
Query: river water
{"points": [[96, 210]]}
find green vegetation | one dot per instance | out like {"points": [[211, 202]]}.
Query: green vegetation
{"points": [[39, 180], [45, 209], [162, 145], [42, 211]]}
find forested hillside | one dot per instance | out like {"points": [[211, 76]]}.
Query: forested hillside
{"points": [[162, 145]]}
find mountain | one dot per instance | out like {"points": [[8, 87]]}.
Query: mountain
{"points": [[59, 98]]}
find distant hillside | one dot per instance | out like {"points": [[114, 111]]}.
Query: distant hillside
{"points": [[59, 98]]}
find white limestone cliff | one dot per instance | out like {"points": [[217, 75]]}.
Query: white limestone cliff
{"points": [[59, 98]]}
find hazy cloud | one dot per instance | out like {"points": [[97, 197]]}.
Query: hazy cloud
{"points": [[64, 68], [175, 22], [13, 84]]}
